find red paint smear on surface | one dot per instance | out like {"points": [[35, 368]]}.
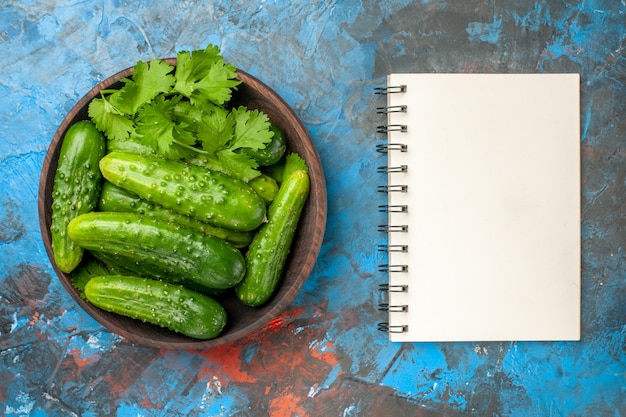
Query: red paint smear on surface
{"points": [[280, 363], [229, 355], [79, 360], [542, 55], [286, 405], [230, 364], [325, 351], [277, 323], [283, 320], [147, 403], [7, 380], [34, 320]]}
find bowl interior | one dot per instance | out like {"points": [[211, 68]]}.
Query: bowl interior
{"points": [[242, 320]]}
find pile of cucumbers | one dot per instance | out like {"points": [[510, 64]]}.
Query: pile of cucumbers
{"points": [[160, 240]]}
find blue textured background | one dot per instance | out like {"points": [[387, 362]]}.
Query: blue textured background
{"points": [[323, 356]]}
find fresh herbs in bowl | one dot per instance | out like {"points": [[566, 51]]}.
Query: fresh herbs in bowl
{"points": [[182, 112]]}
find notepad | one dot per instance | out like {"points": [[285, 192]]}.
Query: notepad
{"points": [[483, 201]]}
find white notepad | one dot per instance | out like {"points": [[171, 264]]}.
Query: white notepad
{"points": [[492, 207]]}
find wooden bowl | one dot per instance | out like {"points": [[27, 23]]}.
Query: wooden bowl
{"points": [[242, 320]]}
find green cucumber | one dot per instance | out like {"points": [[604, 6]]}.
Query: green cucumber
{"points": [[127, 265], [170, 252], [265, 186], [117, 265], [270, 246], [272, 152], [170, 306], [208, 196], [133, 145], [129, 145], [75, 189], [114, 198]]}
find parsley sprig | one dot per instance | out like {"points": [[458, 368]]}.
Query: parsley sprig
{"points": [[182, 112]]}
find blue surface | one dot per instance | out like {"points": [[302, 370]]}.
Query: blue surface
{"points": [[323, 356]]}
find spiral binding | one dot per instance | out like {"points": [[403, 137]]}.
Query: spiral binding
{"points": [[385, 327], [390, 89], [403, 308], [391, 128], [389, 170], [392, 208], [398, 188], [398, 208], [391, 109], [393, 268], [386, 147], [393, 248], [393, 288], [386, 228]]}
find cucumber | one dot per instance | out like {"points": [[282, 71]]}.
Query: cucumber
{"points": [[170, 306], [170, 252], [133, 145], [114, 198], [265, 186], [272, 152], [129, 145], [75, 189], [208, 196], [126, 265], [270, 246]]}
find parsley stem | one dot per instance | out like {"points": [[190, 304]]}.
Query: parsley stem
{"points": [[191, 148]]}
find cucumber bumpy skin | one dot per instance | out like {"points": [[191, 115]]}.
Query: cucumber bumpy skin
{"points": [[75, 189], [170, 306], [270, 246], [167, 251], [265, 186], [208, 196], [273, 151], [114, 198]]}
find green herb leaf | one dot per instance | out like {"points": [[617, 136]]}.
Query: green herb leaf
{"points": [[155, 126], [252, 129], [148, 80], [86, 271], [203, 75], [216, 130], [109, 119], [223, 133], [293, 162], [239, 165]]}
